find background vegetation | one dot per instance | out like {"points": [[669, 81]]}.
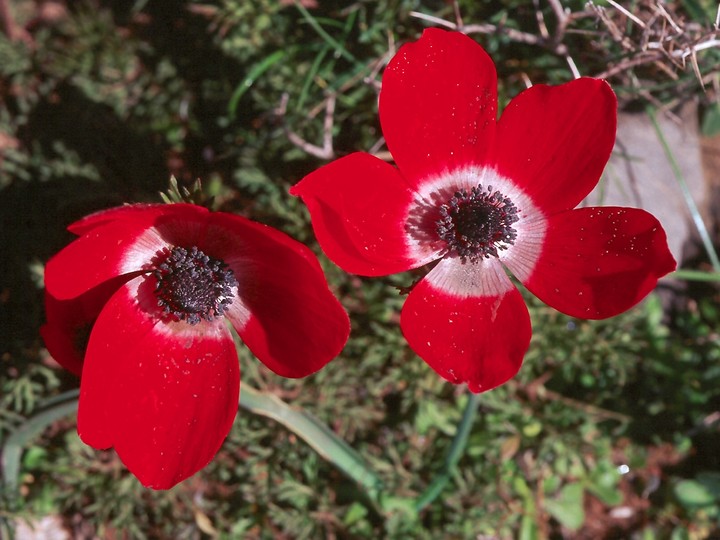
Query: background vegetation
{"points": [[612, 427]]}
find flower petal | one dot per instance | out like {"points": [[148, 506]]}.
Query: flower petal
{"points": [[359, 208], [164, 395], [69, 323], [122, 244], [599, 262], [554, 141], [285, 312], [479, 337], [127, 211], [61, 340], [438, 104]]}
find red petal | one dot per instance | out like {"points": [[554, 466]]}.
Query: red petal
{"points": [[438, 104], [164, 395], [554, 141], [62, 347], [475, 339], [121, 245], [128, 211], [285, 313], [599, 262], [359, 208], [63, 334], [69, 323]]}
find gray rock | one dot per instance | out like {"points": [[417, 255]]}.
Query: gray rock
{"points": [[639, 173]]}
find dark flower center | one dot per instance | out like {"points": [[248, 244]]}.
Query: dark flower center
{"points": [[478, 224], [192, 286]]}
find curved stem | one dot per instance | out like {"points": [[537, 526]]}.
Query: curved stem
{"points": [[455, 452]]}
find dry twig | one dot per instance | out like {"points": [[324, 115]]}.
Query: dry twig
{"points": [[325, 151]]}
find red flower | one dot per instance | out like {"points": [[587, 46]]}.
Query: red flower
{"points": [[481, 196], [160, 376]]}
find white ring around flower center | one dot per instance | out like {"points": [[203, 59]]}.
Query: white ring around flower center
{"points": [[145, 247], [484, 277]]}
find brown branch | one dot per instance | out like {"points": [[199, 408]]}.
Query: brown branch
{"points": [[326, 150], [540, 19], [552, 43], [458, 15]]}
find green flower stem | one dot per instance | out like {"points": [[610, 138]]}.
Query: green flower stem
{"points": [[689, 201], [457, 448]]}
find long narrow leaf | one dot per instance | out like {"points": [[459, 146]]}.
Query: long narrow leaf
{"points": [[695, 275], [325, 442], [339, 48], [255, 72], [314, 68], [317, 435], [32, 427], [689, 201]]}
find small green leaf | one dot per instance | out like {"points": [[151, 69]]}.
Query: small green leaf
{"points": [[609, 495], [34, 456], [532, 429], [521, 487], [693, 494], [567, 508], [711, 481], [603, 484], [355, 513], [431, 416]]}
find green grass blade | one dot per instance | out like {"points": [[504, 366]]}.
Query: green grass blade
{"points": [[255, 72], [689, 201], [695, 275], [336, 45], [314, 69], [696, 11], [317, 435], [60, 398], [320, 438], [317, 63], [63, 405]]}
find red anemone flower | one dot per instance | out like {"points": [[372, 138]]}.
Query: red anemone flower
{"points": [[480, 197], [152, 291]]}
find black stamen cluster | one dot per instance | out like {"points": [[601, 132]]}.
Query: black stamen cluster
{"points": [[192, 286], [478, 224]]}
